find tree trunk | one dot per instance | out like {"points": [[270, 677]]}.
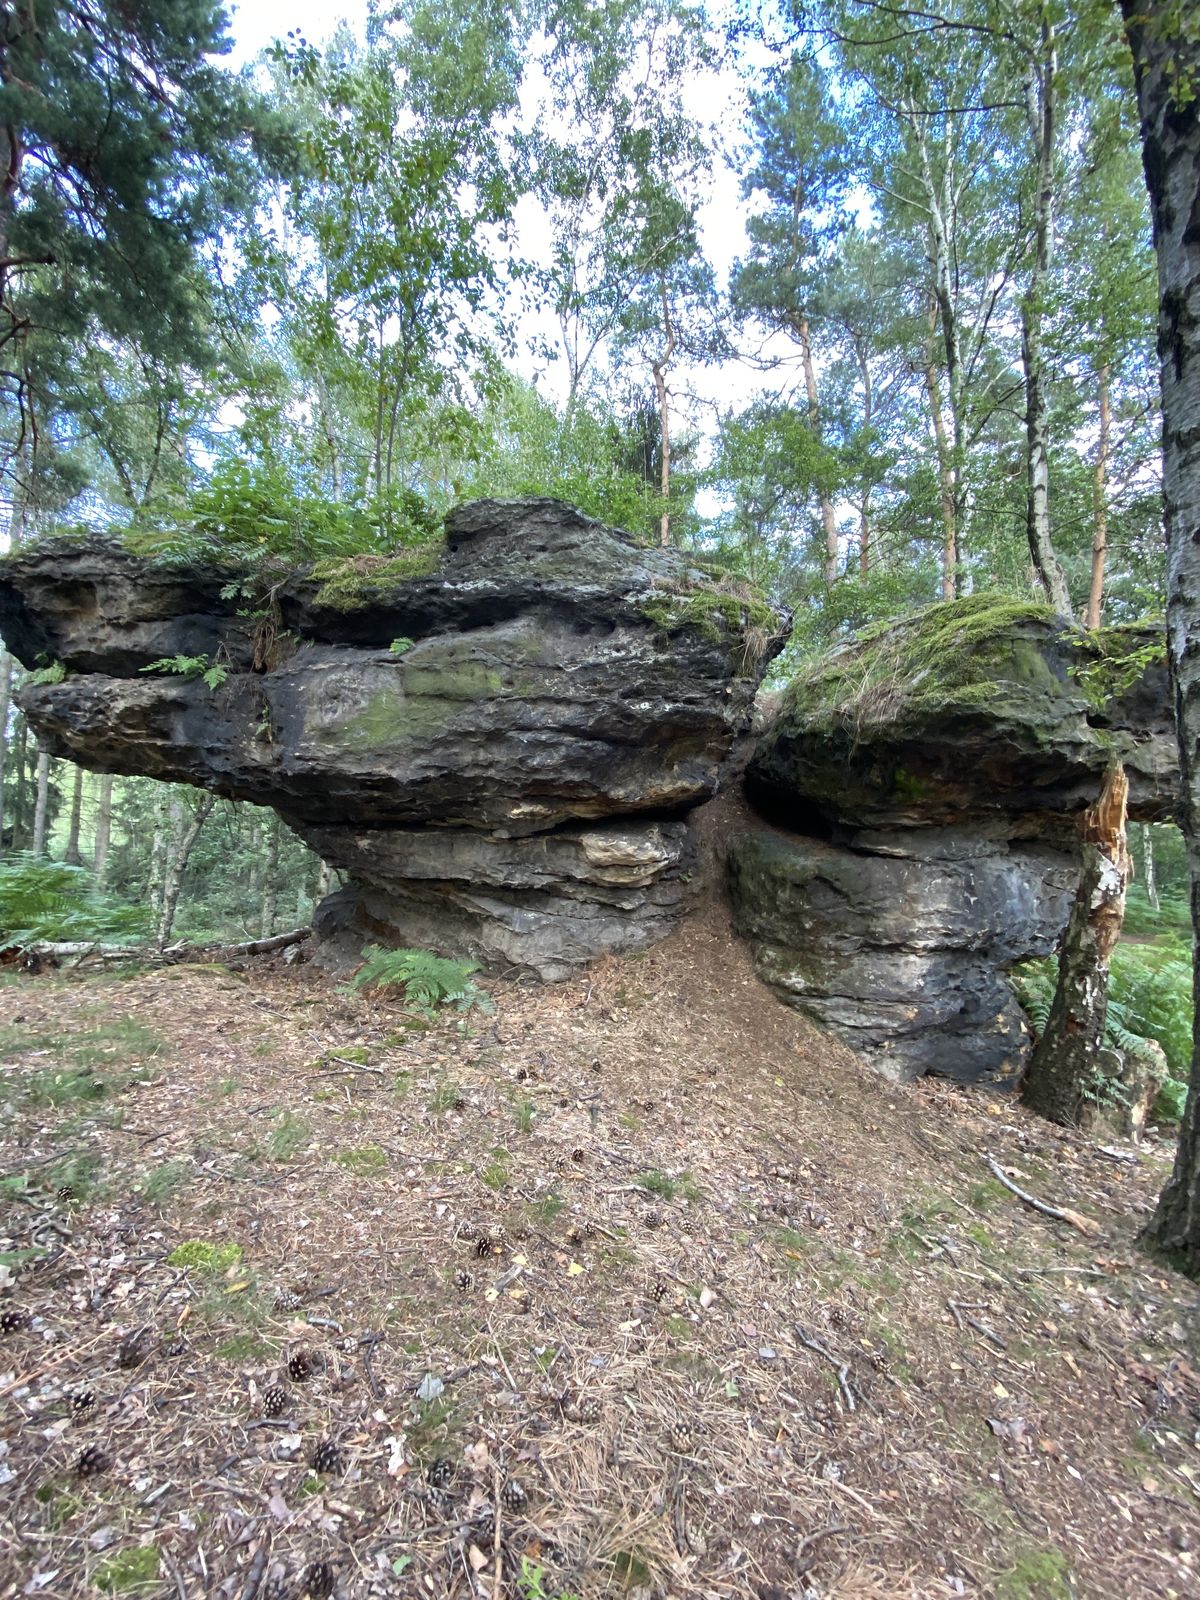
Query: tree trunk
{"points": [[270, 878], [828, 520], [1166, 63], [6, 669], [946, 483], [1149, 875], [42, 803], [71, 855], [1037, 465], [184, 834], [1067, 1076], [1043, 117], [103, 829], [20, 832], [659, 368], [1095, 605]]}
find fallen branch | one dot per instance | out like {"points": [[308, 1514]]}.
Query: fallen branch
{"points": [[180, 951], [1060, 1214], [841, 1368]]}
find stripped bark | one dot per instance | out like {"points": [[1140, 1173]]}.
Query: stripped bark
{"points": [[1070, 1072]]}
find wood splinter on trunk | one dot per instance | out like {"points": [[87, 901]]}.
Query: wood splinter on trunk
{"points": [[1073, 1077]]}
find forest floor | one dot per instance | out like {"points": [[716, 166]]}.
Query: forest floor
{"points": [[639, 1285]]}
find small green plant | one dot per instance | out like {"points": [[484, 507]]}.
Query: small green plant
{"points": [[208, 668], [524, 1114], [531, 1584], [51, 672], [446, 1096], [495, 1175], [401, 646], [288, 1137], [366, 1160], [128, 1569], [203, 1255], [428, 981], [163, 1182]]}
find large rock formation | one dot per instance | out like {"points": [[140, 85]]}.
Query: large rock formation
{"points": [[921, 786], [494, 740]]}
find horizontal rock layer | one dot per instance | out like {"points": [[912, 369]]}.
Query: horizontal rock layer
{"points": [[929, 779], [542, 671]]}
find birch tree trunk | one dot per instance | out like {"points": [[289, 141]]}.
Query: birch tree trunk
{"points": [[1166, 64], [42, 802], [6, 671], [270, 882], [71, 855], [103, 829], [659, 368], [1043, 129], [1066, 1074], [184, 834], [1149, 875], [1095, 605]]}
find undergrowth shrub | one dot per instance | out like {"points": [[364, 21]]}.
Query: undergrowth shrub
{"points": [[50, 902], [428, 981]]}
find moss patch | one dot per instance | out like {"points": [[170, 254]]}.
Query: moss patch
{"points": [[350, 582], [129, 1569]]}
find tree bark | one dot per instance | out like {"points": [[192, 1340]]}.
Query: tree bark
{"points": [[1066, 1077], [1095, 605], [1149, 875], [1166, 64], [1044, 132], [270, 879], [103, 830], [42, 803], [659, 368], [71, 855], [6, 670], [184, 836], [828, 519], [945, 484]]}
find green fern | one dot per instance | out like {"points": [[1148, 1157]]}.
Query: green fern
{"points": [[214, 673], [428, 981], [47, 901]]}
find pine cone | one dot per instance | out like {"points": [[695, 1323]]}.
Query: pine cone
{"points": [[92, 1461], [659, 1291], [440, 1473], [276, 1589], [177, 1347], [64, 1192], [327, 1457], [483, 1248], [881, 1361], [13, 1320], [653, 1219], [318, 1580], [578, 1154], [299, 1366], [287, 1300], [463, 1280], [589, 1229], [513, 1495], [82, 1401], [274, 1401], [587, 1410], [681, 1436]]}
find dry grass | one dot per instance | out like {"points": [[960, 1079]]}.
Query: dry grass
{"points": [[710, 1333]]}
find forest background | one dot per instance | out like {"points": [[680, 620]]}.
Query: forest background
{"points": [[857, 299]]}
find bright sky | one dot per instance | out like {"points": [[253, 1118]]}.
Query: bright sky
{"points": [[720, 98]]}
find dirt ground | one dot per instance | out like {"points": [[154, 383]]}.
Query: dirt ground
{"points": [[638, 1285]]}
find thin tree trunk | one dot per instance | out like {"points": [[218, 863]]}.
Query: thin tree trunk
{"points": [[864, 538], [828, 519], [1044, 132], [270, 893], [1095, 605], [325, 883], [6, 672], [659, 368], [42, 803], [1066, 1075], [1149, 874], [157, 867], [945, 462], [184, 836], [1166, 62], [103, 829], [71, 856]]}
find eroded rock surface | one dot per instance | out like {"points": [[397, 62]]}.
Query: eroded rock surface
{"points": [[440, 738], [923, 789]]}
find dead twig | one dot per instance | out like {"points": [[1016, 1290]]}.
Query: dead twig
{"points": [[961, 1312], [258, 1567], [842, 1368], [1060, 1214]]}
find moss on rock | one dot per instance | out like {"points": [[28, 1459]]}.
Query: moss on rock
{"points": [[348, 582]]}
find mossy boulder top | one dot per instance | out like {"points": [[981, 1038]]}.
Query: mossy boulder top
{"points": [[983, 710], [533, 668]]}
